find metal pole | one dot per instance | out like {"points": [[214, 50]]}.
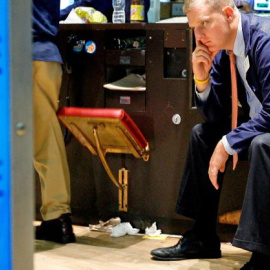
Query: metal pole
{"points": [[16, 172], [5, 174]]}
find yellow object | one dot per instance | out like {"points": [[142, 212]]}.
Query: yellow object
{"points": [[160, 237], [201, 82], [90, 15], [123, 193], [232, 218], [137, 13]]}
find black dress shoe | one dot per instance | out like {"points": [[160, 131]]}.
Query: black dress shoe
{"points": [[257, 262], [57, 230], [189, 247]]}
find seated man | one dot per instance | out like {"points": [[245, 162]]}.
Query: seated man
{"points": [[219, 29]]}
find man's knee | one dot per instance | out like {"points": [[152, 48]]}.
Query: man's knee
{"points": [[207, 130], [260, 143], [197, 129]]}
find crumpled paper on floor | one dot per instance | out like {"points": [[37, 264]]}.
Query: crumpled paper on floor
{"points": [[153, 231], [106, 226], [123, 229]]}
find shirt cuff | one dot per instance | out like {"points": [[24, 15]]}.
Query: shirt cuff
{"points": [[226, 145], [203, 96]]}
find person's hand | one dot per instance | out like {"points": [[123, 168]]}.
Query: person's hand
{"points": [[217, 163], [202, 60]]}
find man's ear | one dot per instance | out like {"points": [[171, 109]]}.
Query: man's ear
{"points": [[228, 12]]}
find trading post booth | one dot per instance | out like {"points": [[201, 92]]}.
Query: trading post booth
{"points": [[144, 70]]}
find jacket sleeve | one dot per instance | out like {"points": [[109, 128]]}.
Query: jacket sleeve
{"points": [[217, 107]]}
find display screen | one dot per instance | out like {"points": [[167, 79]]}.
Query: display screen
{"points": [[261, 5]]}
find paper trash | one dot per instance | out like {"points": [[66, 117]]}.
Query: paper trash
{"points": [[85, 15], [152, 231], [105, 226], [123, 229]]}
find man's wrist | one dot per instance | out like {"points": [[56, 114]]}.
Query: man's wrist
{"points": [[226, 145], [201, 85], [203, 95], [201, 81]]}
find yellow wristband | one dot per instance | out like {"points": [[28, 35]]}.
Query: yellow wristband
{"points": [[202, 82]]}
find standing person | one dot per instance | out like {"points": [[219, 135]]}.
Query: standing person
{"points": [[50, 159], [220, 28]]}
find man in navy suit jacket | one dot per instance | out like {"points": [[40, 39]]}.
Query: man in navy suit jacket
{"points": [[219, 28]]}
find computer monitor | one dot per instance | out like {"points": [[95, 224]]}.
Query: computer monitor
{"points": [[261, 5]]}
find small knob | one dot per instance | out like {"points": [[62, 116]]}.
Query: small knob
{"points": [[20, 129], [184, 73], [176, 119]]}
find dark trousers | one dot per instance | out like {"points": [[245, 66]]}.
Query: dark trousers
{"points": [[199, 200]]}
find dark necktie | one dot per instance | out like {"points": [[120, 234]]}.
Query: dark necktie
{"points": [[234, 100]]}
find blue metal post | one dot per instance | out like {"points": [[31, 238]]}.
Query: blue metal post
{"points": [[5, 156]]}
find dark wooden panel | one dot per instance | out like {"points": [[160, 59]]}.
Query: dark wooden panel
{"points": [[131, 101], [125, 57], [175, 38]]}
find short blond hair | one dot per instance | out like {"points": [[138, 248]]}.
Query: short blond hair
{"points": [[215, 4]]}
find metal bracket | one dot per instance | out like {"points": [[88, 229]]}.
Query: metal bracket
{"points": [[123, 193]]}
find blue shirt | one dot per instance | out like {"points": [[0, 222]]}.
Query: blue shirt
{"points": [[44, 30]]}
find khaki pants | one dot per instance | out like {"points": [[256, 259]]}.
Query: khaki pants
{"points": [[50, 159]]}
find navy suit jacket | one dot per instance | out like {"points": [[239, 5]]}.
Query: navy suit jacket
{"points": [[217, 108]]}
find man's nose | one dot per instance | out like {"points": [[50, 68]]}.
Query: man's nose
{"points": [[198, 33]]}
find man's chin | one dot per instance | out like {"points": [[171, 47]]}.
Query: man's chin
{"points": [[213, 49]]}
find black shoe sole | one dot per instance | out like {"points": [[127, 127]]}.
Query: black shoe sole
{"points": [[63, 240], [195, 256]]}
